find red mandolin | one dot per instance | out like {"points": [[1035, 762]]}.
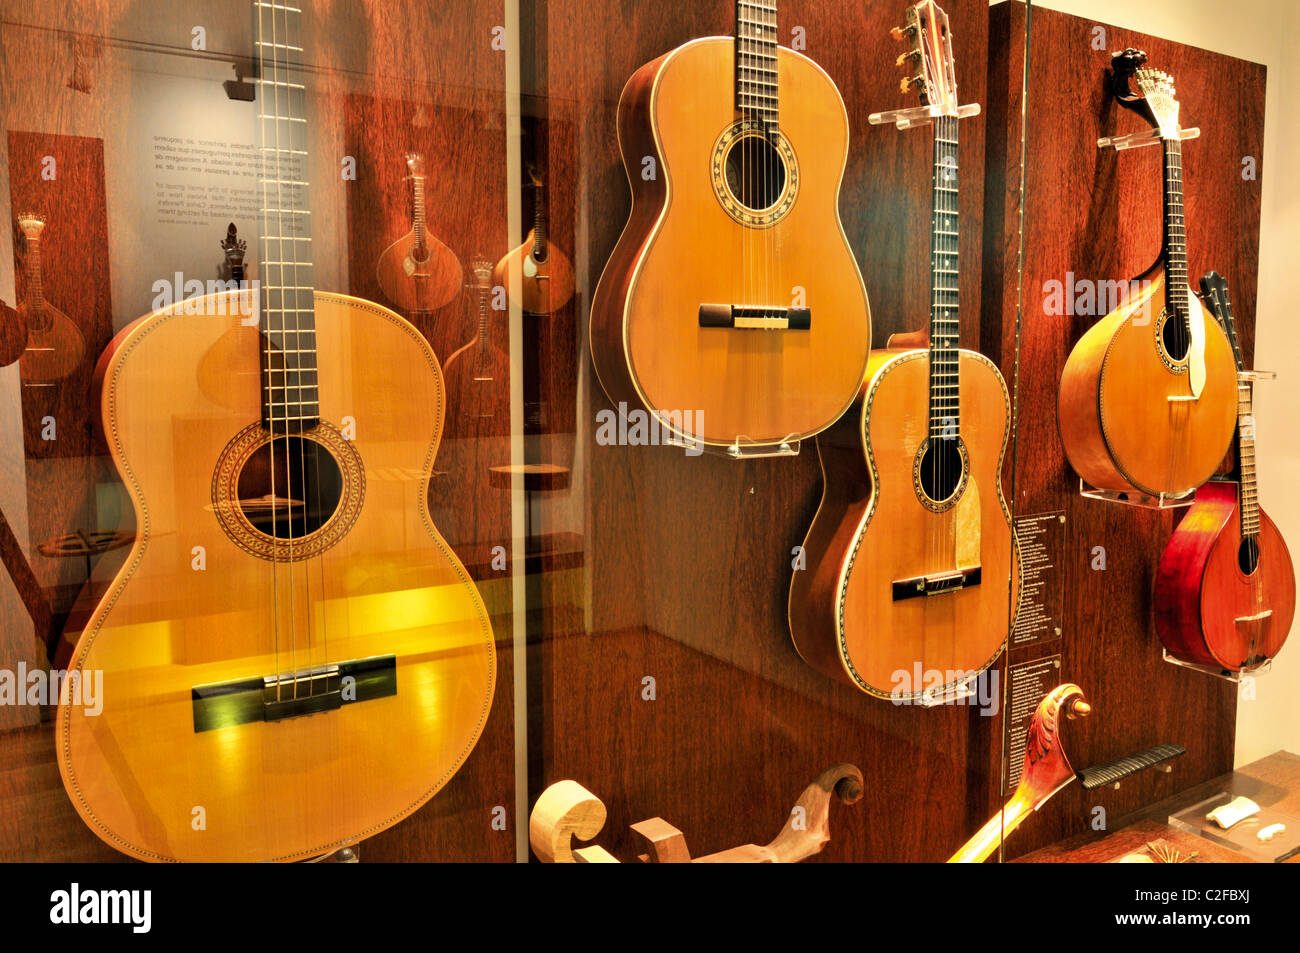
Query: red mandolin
{"points": [[1225, 589]]}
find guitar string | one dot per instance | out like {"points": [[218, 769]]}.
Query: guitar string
{"points": [[265, 325]]}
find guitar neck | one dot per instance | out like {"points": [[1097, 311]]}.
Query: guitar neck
{"points": [[1175, 243], [756, 64], [945, 404], [1247, 491], [34, 294], [417, 211], [482, 317], [290, 401], [539, 222]]}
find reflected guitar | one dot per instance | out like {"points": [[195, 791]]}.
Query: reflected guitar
{"points": [[1148, 394], [54, 346], [910, 553], [546, 273], [417, 271], [732, 293], [292, 658], [1225, 589]]}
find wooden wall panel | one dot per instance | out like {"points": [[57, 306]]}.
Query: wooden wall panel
{"points": [[1096, 214]]}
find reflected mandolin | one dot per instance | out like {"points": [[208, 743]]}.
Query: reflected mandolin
{"points": [[1147, 396], [418, 272], [911, 551], [732, 294], [546, 274], [55, 345], [291, 658], [1225, 589]]}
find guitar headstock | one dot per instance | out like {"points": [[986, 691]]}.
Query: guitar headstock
{"points": [[415, 165], [482, 274], [31, 225], [1214, 289], [234, 246], [1150, 91], [929, 61]]}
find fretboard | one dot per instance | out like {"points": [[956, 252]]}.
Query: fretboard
{"points": [[539, 223], [945, 406], [35, 294], [756, 88], [417, 212], [290, 399], [1248, 493], [1175, 232]]}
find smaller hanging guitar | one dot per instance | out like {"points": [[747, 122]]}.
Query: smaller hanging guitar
{"points": [[417, 271], [478, 374], [1225, 589], [54, 344], [547, 283]]}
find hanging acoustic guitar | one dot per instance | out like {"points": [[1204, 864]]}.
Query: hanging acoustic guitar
{"points": [[732, 294], [546, 272], [1225, 589], [292, 658], [910, 554], [1148, 394], [55, 346], [417, 271]]}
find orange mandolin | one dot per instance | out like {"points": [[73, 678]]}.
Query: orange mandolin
{"points": [[55, 345], [291, 658], [1147, 395], [910, 554], [417, 271], [733, 295], [547, 274], [1225, 589]]}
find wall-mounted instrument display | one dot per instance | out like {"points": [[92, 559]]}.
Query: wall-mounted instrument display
{"points": [[55, 345], [733, 294], [547, 282], [1147, 396], [234, 248], [417, 271], [910, 553], [1225, 589], [292, 658], [478, 374]]}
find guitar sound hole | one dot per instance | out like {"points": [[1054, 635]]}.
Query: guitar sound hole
{"points": [[1175, 336], [290, 487], [755, 173], [941, 469], [1248, 555]]}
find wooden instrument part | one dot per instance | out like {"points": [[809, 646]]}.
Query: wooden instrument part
{"points": [[1046, 770], [13, 334], [291, 658], [418, 272], [54, 344], [912, 567], [1225, 588], [567, 810], [704, 239], [546, 273], [234, 248], [1148, 393]]}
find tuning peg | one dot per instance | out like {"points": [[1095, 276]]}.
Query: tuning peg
{"points": [[909, 55], [899, 32]]}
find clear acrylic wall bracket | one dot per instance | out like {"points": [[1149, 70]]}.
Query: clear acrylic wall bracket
{"points": [[1162, 501], [919, 115], [739, 449], [1225, 674], [1148, 137]]}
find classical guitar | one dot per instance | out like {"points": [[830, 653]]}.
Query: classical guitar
{"points": [[1148, 394], [733, 294], [55, 345], [292, 658], [911, 552], [547, 274], [1225, 589], [417, 271]]}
